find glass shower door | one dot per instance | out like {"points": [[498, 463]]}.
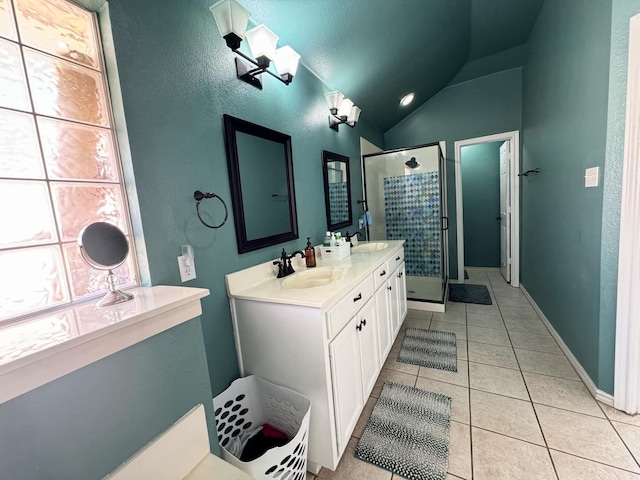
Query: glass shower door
{"points": [[405, 194]]}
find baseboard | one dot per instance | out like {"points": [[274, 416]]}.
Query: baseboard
{"points": [[426, 306], [599, 395]]}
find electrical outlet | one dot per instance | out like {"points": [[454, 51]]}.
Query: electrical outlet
{"points": [[187, 268]]}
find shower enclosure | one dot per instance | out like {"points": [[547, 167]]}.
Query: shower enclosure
{"points": [[405, 194]]}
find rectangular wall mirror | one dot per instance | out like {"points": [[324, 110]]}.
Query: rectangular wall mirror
{"points": [[337, 190], [261, 176]]}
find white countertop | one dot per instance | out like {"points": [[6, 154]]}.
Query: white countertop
{"points": [[260, 284]]}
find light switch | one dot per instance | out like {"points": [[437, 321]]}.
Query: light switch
{"points": [[591, 176]]}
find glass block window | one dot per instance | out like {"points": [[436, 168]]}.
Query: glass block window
{"points": [[59, 164]]}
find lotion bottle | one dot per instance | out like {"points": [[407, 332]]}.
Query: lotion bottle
{"points": [[310, 254]]}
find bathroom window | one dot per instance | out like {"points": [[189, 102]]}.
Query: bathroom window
{"points": [[59, 163]]}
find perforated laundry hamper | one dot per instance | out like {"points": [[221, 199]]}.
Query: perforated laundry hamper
{"points": [[252, 401]]}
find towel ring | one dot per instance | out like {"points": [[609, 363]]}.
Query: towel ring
{"points": [[199, 196]]}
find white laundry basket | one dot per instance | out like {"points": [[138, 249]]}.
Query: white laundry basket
{"points": [[252, 401]]}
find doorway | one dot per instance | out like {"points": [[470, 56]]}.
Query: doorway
{"points": [[496, 236]]}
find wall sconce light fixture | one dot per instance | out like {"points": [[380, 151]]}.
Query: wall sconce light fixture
{"points": [[342, 110], [232, 19]]}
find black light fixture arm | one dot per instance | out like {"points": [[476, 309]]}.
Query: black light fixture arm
{"points": [[250, 75], [335, 120]]}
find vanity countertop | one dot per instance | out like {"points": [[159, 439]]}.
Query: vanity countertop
{"points": [[259, 283]]}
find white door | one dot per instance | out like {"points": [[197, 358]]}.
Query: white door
{"points": [[505, 213]]}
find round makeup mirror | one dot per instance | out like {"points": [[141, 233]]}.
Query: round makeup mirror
{"points": [[104, 246]]}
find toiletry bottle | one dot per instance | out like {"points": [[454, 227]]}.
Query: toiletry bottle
{"points": [[327, 240], [332, 240], [310, 254]]}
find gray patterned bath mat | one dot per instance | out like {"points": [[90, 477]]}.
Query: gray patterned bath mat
{"points": [[429, 348], [408, 433], [469, 293]]}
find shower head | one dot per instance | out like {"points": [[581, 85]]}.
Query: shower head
{"points": [[412, 163]]}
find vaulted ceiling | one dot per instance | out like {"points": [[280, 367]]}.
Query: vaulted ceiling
{"points": [[376, 51]]}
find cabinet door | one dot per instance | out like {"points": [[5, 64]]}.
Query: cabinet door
{"points": [[369, 349], [402, 292], [394, 310], [346, 379], [385, 336]]}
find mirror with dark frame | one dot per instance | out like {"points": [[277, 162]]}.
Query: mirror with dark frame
{"points": [[261, 175], [337, 190]]}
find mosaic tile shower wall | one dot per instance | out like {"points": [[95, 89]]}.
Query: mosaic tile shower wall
{"points": [[338, 201], [412, 213]]}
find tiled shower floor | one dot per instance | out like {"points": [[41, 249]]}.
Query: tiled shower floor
{"points": [[519, 409]]}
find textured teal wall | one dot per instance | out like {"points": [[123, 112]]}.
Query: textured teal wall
{"points": [[487, 105], [178, 79], [623, 10], [565, 87], [85, 424], [480, 165]]}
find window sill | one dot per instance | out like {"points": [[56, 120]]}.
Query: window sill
{"points": [[86, 334]]}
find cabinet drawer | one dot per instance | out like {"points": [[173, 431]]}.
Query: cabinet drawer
{"points": [[381, 274], [340, 315], [395, 261]]}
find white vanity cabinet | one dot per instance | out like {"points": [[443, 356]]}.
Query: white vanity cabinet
{"points": [[328, 343]]}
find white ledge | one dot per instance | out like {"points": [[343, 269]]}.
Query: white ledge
{"points": [[38, 351]]}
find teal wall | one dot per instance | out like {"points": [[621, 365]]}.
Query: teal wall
{"points": [[622, 11], [178, 79], [480, 165], [487, 105], [565, 89], [85, 424]]}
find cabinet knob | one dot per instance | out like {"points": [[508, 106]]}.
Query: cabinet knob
{"points": [[397, 258], [383, 273], [389, 288], [364, 322], [400, 275], [359, 297], [359, 326]]}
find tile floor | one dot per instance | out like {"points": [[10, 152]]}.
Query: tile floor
{"points": [[519, 409]]}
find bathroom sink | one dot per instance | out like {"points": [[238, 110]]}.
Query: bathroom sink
{"points": [[369, 247], [313, 278]]}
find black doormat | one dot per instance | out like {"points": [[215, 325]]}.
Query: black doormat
{"points": [[429, 348], [408, 433], [469, 293]]}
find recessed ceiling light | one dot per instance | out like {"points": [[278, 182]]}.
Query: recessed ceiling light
{"points": [[407, 99]]}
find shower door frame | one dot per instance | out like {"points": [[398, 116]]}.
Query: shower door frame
{"points": [[444, 263]]}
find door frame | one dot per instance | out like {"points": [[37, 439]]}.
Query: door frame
{"points": [[514, 199], [626, 391]]}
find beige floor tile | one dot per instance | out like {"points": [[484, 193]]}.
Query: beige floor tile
{"points": [[459, 397], [585, 436], [311, 476], [455, 307], [461, 377], [392, 364], [527, 325], [535, 342], [452, 317], [411, 312], [574, 468], [364, 417], [561, 393], [546, 364], [496, 457], [503, 291], [485, 321], [505, 415], [619, 415], [518, 312], [630, 436], [460, 450], [462, 348], [415, 322], [512, 301], [387, 375], [488, 335], [502, 381], [483, 309], [496, 355], [351, 468], [459, 330]]}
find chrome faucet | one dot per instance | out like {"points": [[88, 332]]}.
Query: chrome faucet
{"points": [[284, 263]]}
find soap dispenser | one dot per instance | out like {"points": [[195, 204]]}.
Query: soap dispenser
{"points": [[310, 254]]}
